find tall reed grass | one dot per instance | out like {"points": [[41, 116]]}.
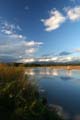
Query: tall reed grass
{"points": [[19, 98]]}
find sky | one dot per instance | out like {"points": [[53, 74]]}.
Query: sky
{"points": [[42, 30]]}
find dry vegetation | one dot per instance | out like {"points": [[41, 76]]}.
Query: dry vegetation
{"points": [[19, 98]]}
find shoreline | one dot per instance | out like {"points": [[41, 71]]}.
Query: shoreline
{"points": [[68, 67]]}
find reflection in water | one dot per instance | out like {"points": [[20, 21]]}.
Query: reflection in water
{"points": [[52, 85], [30, 72], [69, 73], [48, 72], [59, 111], [77, 117]]}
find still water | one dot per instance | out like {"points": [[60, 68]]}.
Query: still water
{"points": [[61, 87]]}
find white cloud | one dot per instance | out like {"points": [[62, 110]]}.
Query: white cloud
{"points": [[30, 51], [8, 26], [17, 48], [11, 30], [54, 21], [14, 45], [33, 43], [44, 60], [57, 18], [74, 13], [77, 50], [8, 32], [57, 58], [28, 60], [73, 1], [17, 36], [51, 59], [65, 59]]}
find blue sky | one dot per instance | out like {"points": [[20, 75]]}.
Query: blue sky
{"points": [[42, 29]]}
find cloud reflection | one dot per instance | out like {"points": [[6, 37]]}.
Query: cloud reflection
{"points": [[77, 117], [49, 72]]}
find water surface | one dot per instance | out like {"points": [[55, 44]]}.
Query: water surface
{"points": [[62, 87]]}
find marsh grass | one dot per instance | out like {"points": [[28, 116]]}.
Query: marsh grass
{"points": [[19, 98]]}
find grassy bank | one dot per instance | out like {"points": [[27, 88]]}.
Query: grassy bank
{"points": [[19, 98]]}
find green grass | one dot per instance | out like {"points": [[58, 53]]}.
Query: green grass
{"points": [[19, 98]]}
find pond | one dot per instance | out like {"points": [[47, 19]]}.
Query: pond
{"points": [[61, 87]]}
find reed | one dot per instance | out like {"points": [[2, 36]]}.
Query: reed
{"points": [[19, 97]]}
